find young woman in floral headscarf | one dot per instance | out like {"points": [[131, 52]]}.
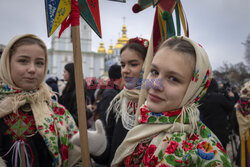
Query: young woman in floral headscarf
{"points": [[169, 131], [243, 117], [119, 118], [34, 129]]}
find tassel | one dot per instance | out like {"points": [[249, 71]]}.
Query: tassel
{"points": [[193, 116], [170, 24], [178, 24], [16, 159], [183, 19]]}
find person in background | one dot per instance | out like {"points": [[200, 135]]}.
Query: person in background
{"points": [[68, 97], [52, 83], [215, 109], [34, 129], [120, 116], [243, 117], [61, 85], [169, 131], [111, 90]]}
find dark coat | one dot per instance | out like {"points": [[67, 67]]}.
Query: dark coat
{"points": [[107, 96], [52, 82], [68, 100], [36, 143], [215, 110], [115, 131]]}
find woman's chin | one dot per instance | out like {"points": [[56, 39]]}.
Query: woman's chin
{"points": [[130, 85]]}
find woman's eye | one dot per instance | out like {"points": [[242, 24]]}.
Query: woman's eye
{"points": [[174, 79], [22, 60], [40, 63], [154, 72], [122, 65], [134, 65]]}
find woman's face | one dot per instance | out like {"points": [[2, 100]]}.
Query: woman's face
{"points": [[172, 72], [27, 66], [131, 63], [66, 75]]}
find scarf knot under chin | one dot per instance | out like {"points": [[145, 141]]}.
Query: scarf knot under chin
{"points": [[12, 99]]}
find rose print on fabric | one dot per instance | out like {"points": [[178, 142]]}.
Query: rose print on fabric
{"points": [[195, 76], [172, 147], [187, 146]]}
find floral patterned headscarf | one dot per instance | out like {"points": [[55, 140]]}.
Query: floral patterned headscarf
{"points": [[189, 107], [243, 109], [12, 98], [5, 59]]}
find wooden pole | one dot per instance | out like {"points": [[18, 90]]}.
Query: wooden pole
{"points": [[81, 109]]}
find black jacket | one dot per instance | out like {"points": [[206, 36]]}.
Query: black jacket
{"points": [[107, 96], [215, 110]]}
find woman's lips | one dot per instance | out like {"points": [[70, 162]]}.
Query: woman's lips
{"points": [[129, 79], [29, 79], [155, 98]]}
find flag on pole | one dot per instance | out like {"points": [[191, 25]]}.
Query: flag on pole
{"points": [[89, 10], [56, 12], [59, 12]]}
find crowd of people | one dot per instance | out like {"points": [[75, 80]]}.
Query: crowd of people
{"points": [[187, 119]]}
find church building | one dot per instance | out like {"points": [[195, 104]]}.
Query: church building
{"points": [[95, 64]]}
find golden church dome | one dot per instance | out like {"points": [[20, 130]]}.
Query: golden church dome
{"points": [[122, 40], [101, 48], [110, 51]]}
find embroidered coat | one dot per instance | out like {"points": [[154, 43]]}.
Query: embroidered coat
{"points": [[202, 149], [47, 144]]}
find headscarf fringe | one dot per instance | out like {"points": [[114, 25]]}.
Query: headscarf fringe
{"points": [[120, 101], [193, 114], [39, 101]]}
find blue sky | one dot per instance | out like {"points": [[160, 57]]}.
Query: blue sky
{"points": [[220, 26]]}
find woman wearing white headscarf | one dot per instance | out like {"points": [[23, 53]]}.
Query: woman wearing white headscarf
{"points": [[33, 127], [169, 131]]}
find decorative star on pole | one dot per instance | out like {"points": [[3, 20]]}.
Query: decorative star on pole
{"points": [[163, 26], [56, 13], [89, 10], [60, 12]]}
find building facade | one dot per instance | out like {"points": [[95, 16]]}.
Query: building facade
{"points": [[113, 55], [95, 64], [61, 53]]}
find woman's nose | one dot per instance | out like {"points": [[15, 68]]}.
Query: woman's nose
{"points": [[153, 83], [158, 84], [125, 69], [32, 67]]}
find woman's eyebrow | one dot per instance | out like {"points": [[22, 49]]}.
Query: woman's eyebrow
{"points": [[132, 61], [154, 66]]}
